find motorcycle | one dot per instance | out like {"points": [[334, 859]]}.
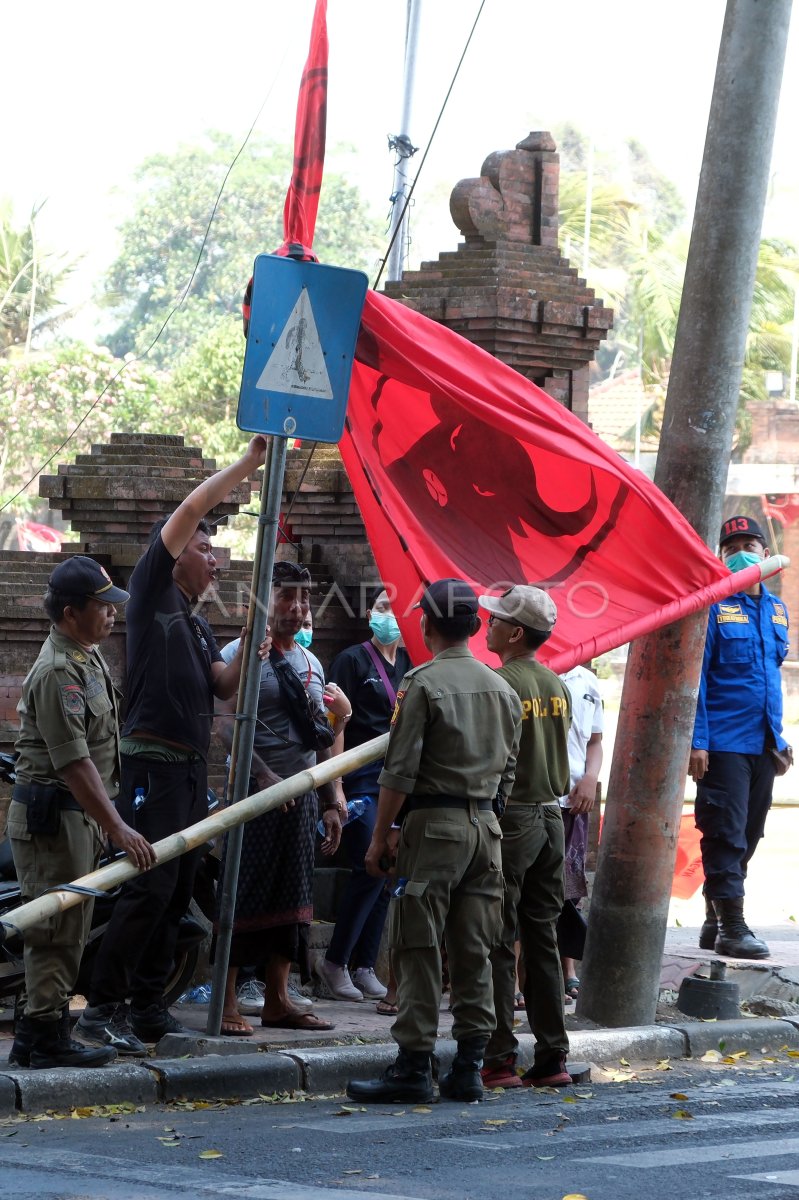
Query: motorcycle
{"points": [[193, 931]]}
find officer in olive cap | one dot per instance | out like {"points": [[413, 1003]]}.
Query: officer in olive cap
{"points": [[62, 804], [452, 749]]}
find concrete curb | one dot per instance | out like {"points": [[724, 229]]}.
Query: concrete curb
{"points": [[70, 1087], [217, 1077], [325, 1070], [739, 1035]]}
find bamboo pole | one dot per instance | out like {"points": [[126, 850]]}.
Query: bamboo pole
{"points": [[107, 878]]}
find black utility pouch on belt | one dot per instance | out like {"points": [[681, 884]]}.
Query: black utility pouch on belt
{"points": [[44, 809], [43, 804]]}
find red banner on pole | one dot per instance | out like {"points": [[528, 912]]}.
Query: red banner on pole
{"points": [[462, 467], [302, 200]]}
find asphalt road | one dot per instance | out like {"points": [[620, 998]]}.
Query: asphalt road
{"points": [[620, 1137]]}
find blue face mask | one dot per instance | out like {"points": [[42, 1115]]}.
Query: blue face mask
{"points": [[385, 628], [303, 637], [741, 559]]}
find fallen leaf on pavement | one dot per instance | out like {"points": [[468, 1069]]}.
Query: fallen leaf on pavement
{"points": [[210, 1154], [354, 1171], [682, 1114], [663, 1065], [421, 1108], [677, 1096], [711, 1056], [623, 1062], [502, 1121]]}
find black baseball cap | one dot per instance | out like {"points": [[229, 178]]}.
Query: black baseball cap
{"points": [[449, 598], [740, 527], [81, 576]]}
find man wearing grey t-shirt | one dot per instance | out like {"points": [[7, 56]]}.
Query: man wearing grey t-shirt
{"points": [[274, 901]]}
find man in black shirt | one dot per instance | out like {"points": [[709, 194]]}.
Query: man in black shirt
{"points": [[174, 672]]}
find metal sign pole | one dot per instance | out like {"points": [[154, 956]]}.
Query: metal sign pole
{"points": [[247, 711]]}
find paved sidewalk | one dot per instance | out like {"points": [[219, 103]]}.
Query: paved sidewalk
{"points": [[272, 1061]]}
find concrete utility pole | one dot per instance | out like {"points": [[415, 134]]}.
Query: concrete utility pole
{"points": [[629, 909]]}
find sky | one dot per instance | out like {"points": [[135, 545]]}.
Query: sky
{"points": [[89, 89]]}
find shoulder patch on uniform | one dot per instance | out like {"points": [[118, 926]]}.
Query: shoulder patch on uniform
{"points": [[73, 699], [397, 703], [78, 656]]}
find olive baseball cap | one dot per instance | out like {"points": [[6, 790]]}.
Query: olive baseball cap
{"points": [[81, 576], [524, 605]]}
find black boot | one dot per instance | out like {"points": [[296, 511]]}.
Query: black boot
{"points": [[710, 929], [52, 1046], [20, 1052], [462, 1081], [735, 938], [408, 1080], [24, 1036]]}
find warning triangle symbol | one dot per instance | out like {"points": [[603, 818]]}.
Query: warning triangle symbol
{"points": [[296, 366]]}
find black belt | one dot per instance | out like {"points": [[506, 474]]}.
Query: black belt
{"points": [[23, 792], [438, 801]]}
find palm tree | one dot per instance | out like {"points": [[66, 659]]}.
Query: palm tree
{"points": [[30, 280]]}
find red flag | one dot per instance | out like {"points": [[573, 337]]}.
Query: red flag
{"points": [[302, 200], [462, 467]]}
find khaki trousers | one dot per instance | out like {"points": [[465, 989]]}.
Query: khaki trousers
{"points": [[53, 948], [451, 861], [532, 864]]}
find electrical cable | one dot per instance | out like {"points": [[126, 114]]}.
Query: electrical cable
{"points": [[398, 225], [138, 357]]}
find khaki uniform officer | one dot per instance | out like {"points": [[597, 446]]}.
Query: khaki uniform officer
{"points": [[452, 749], [67, 775]]}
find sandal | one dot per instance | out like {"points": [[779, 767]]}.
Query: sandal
{"points": [[572, 988], [518, 1002], [386, 1008], [234, 1025]]}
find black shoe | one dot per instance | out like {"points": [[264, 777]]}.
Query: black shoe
{"points": [[735, 938], [109, 1025], [53, 1047], [152, 1023], [409, 1080], [710, 929], [463, 1081]]}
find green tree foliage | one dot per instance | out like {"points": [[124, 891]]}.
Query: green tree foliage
{"points": [[162, 240], [43, 396], [30, 282], [201, 395], [637, 253]]}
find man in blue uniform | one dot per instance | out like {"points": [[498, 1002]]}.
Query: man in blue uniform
{"points": [[737, 738]]}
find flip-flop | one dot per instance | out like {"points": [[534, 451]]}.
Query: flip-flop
{"points": [[298, 1020], [235, 1026], [386, 1009], [518, 1002], [572, 988]]}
